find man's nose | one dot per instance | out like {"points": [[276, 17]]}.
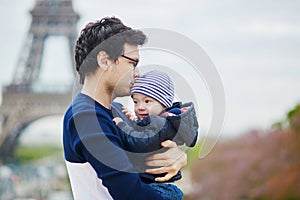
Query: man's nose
{"points": [[136, 73]]}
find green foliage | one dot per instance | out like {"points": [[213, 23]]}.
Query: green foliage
{"points": [[27, 154], [193, 153], [291, 120], [293, 112], [279, 124]]}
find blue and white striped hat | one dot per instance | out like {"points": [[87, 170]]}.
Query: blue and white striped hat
{"points": [[157, 85]]}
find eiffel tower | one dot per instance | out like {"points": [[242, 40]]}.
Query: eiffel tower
{"points": [[21, 104]]}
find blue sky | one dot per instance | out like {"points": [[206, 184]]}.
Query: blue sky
{"points": [[254, 45]]}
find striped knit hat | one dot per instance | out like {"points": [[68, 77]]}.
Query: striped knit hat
{"points": [[157, 85]]}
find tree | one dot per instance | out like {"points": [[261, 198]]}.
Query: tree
{"points": [[257, 165]]}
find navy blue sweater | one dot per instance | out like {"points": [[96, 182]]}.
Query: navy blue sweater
{"points": [[95, 157]]}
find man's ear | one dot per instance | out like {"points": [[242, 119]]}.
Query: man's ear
{"points": [[103, 60]]}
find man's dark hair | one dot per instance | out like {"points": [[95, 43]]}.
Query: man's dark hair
{"points": [[109, 35]]}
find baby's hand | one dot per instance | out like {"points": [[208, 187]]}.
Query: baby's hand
{"points": [[128, 113], [117, 120]]}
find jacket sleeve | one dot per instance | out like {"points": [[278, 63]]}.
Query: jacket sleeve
{"points": [[186, 125], [148, 138], [116, 109], [183, 129]]}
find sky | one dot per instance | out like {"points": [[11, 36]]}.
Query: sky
{"points": [[254, 46]]}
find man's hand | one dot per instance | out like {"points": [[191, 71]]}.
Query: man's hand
{"points": [[169, 162]]}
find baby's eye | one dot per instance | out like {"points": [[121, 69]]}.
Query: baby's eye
{"points": [[135, 102], [147, 101]]}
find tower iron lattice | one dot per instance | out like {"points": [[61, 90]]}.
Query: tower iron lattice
{"points": [[21, 105]]}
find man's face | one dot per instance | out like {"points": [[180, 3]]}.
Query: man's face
{"points": [[145, 106], [125, 71]]}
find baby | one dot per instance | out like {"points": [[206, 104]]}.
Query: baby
{"points": [[158, 119]]}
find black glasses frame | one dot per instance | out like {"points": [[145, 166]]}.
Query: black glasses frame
{"points": [[131, 59]]}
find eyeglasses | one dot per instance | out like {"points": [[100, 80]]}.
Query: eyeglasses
{"points": [[136, 61]]}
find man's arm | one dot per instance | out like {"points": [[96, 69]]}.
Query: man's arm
{"points": [[98, 144]]}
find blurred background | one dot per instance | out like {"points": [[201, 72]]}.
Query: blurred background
{"points": [[255, 47]]}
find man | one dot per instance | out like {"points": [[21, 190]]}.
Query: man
{"points": [[106, 55]]}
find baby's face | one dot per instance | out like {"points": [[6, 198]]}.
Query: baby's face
{"points": [[145, 106]]}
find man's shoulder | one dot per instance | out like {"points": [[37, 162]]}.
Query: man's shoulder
{"points": [[116, 106], [84, 103]]}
